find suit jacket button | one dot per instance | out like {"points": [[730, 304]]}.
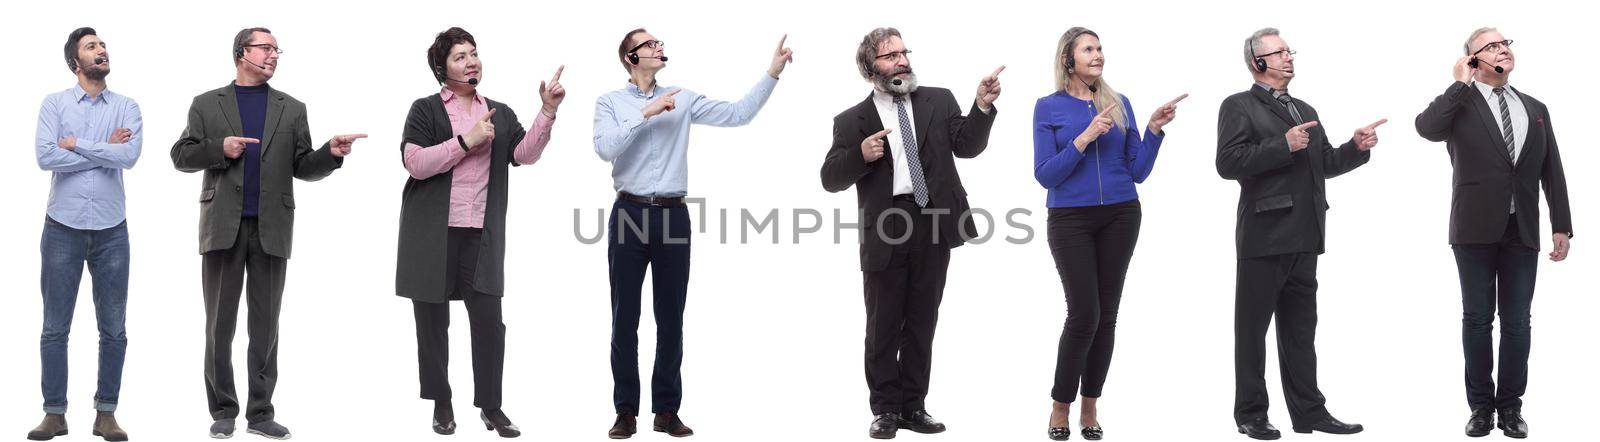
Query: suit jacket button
{"points": [[238, 188]]}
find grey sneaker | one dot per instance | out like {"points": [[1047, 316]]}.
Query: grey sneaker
{"points": [[269, 430], [222, 429]]}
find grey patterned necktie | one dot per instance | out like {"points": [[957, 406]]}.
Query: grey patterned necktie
{"points": [[1288, 102], [1505, 123], [908, 143]]}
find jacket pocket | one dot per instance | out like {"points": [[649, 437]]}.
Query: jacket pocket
{"points": [[207, 195], [288, 201], [1274, 202]]}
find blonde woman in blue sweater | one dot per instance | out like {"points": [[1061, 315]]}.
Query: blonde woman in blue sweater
{"points": [[1089, 154]]}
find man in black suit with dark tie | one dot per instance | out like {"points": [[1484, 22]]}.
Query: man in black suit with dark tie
{"points": [[1502, 149], [898, 149], [1273, 145]]}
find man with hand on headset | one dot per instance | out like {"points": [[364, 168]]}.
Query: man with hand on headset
{"points": [[643, 131], [1274, 146]]}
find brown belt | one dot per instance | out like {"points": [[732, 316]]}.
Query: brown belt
{"points": [[651, 200]]}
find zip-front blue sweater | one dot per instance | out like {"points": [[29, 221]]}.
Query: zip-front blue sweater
{"points": [[1105, 172]]}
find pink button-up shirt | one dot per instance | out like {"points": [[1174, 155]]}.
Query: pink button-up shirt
{"points": [[469, 182]]}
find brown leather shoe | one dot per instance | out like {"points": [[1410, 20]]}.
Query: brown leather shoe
{"points": [[105, 425], [53, 425], [624, 428], [670, 423]]}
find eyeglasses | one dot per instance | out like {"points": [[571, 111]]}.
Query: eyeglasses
{"points": [[896, 54], [1495, 47], [267, 47], [1285, 52], [652, 44]]}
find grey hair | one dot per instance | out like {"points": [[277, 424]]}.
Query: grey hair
{"points": [[868, 51], [1466, 48], [1251, 43]]}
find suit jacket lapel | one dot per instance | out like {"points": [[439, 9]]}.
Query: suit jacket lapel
{"points": [[1535, 127], [229, 105], [274, 115], [922, 110], [1496, 133], [1273, 104]]}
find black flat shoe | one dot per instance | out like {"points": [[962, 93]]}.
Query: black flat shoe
{"points": [[884, 426], [1092, 433], [1512, 424], [500, 424], [1060, 433], [919, 421], [1331, 426], [1481, 423], [1259, 429]]}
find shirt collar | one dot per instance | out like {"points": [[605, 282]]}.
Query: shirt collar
{"points": [[637, 92], [1488, 91], [448, 96], [81, 95], [1275, 92]]}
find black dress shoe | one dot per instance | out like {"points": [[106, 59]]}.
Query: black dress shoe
{"points": [[884, 426], [1259, 429], [496, 421], [1060, 433], [444, 418], [672, 425], [1329, 425], [624, 427], [919, 421], [1093, 433], [1481, 423], [1512, 424]]}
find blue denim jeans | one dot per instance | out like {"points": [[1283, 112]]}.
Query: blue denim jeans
{"points": [[64, 250]]}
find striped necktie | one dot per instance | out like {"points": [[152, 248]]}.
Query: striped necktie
{"points": [[1505, 123], [908, 143]]}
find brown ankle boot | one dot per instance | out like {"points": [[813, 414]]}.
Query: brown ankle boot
{"points": [[105, 425], [53, 425]]}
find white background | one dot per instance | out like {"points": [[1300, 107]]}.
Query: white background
{"points": [[774, 332]]}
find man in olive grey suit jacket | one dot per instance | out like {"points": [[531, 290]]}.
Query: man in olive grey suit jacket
{"points": [[249, 139]]}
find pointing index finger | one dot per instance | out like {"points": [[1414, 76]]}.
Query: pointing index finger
{"points": [[1376, 124], [996, 73], [557, 77], [487, 115], [1307, 125], [781, 41], [1176, 100]]}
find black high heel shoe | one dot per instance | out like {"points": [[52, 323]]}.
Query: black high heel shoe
{"points": [[1093, 433], [504, 426], [1060, 433], [444, 418]]}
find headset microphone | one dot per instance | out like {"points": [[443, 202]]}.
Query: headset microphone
{"points": [[1475, 61], [471, 81], [99, 60], [246, 60]]}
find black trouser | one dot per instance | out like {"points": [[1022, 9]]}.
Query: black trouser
{"points": [[1284, 286], [1513, 266], [1092, 247], [903, 309], [488, 332], [642, 236], [223, 275]]}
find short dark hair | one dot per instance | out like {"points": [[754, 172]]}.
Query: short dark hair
{"points": [[243, 38], [71, 49], [441, 49], [622, 49]]}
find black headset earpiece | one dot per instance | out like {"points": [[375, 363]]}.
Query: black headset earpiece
{"points": [[633, 57]]}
